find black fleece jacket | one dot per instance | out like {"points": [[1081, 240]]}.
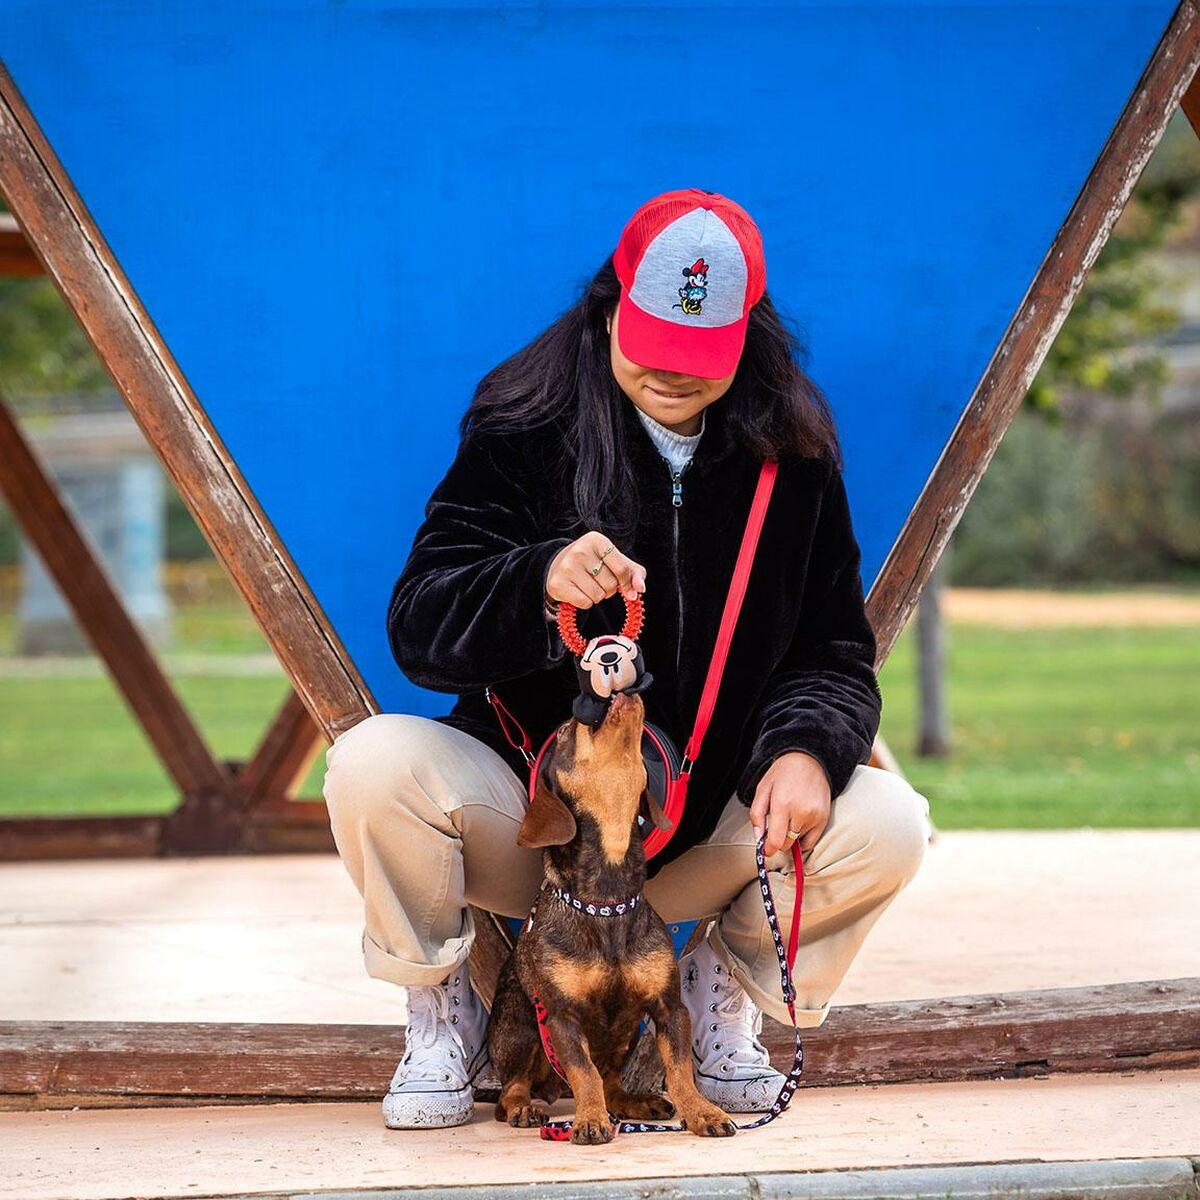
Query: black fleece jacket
{"points": [[467, 609]]}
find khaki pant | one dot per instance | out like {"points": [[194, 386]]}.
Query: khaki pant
{"points": [[425, 818]]}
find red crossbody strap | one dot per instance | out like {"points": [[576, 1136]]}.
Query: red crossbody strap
{"points": [[733, 604]]}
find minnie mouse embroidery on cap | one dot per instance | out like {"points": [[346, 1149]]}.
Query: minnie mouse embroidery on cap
{"points": [[698, 328]]}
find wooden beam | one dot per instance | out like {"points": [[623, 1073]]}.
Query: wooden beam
{"points": [[281, 826], [275, 827], [1191, 104], [1110, 1027], [883, 758], [23, 839], [1132, 1026], [1037, 321], [17, 258], [81, 578], [284, 755], [56, 222]]}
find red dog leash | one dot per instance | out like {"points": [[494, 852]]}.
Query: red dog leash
{"points": [[560, 1131]]}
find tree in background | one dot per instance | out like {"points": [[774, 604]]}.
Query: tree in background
{"points": [[1108, 344], [43, 349], [1095, 482], [1086, 503]]}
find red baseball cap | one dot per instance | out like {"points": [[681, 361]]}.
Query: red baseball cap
{"points": [[691, 267]]}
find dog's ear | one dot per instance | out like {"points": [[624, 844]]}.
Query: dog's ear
{"points": [[652, 812], [548, 821]]}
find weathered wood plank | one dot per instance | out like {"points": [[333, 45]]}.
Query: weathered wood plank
{"points": [[1104, 1028], [26, 838], [287, 750], [1118, 1027], [281, 826], [17, 258], [1191, 104], [275, 827], [1037, 321]]}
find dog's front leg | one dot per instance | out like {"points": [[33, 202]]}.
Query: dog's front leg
{"points": [[591, 1125], [673, 1034]]}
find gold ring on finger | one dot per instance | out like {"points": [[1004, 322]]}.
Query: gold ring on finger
{"points": [[793, 834], [597, 569], [609, 550]]}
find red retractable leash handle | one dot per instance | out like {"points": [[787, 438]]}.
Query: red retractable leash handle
{"points": [[560, 1131]]}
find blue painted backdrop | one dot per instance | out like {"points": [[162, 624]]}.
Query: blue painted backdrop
{"points": [[340, 215]]}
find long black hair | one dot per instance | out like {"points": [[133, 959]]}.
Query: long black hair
{"points": [[565, 376]]}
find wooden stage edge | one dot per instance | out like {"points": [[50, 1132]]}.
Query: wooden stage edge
{"points": [[1133, 1026]]}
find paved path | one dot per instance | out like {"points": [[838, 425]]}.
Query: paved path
{"points": [[1020, 609]]}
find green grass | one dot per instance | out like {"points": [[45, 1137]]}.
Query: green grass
{"points": [[1051, 727], [69, 746], [218, 629], [1058, 728]]}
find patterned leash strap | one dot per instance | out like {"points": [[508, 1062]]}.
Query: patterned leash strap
{"points": [[560, 1131]]}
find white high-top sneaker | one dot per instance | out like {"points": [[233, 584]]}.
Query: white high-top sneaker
{"points": [[733, 1069], [444, 1053]]}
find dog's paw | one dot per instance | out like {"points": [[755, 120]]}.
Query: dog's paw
{"points": [[591, 1133], [527, 1116], [710, 1122], [649, 1107]]}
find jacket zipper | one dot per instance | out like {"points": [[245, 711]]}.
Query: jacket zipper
{"points": [[676, 503]]}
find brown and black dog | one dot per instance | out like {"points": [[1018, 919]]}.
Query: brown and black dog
{"points": [[597, 976]]}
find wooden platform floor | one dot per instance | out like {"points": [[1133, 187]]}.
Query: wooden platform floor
{"points": [[86, 1155], [277, 939]]}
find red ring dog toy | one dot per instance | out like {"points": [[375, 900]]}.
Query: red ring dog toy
{"points": [[568, 624]]}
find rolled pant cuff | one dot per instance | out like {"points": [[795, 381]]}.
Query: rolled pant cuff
{"points": [[769, 1002], [382, 965]]}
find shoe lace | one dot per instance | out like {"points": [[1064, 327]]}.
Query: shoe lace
{"points": [[426, 1006], [430, 1038]]}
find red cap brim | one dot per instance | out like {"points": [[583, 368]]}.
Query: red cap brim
{"points": [[649, 341]]}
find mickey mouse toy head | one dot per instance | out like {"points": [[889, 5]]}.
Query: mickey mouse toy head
{"points": [[605, 665], [609, 664]]}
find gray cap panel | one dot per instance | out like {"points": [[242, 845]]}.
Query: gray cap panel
{"points": [[663, 287]]}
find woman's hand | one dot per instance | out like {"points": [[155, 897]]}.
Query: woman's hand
{"points": [[792, 794], [570, 577]]}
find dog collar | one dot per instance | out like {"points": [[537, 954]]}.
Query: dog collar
{"points": [[601, 908]]}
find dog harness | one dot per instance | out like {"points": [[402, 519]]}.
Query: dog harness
{"points": [[560, 1131]]}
